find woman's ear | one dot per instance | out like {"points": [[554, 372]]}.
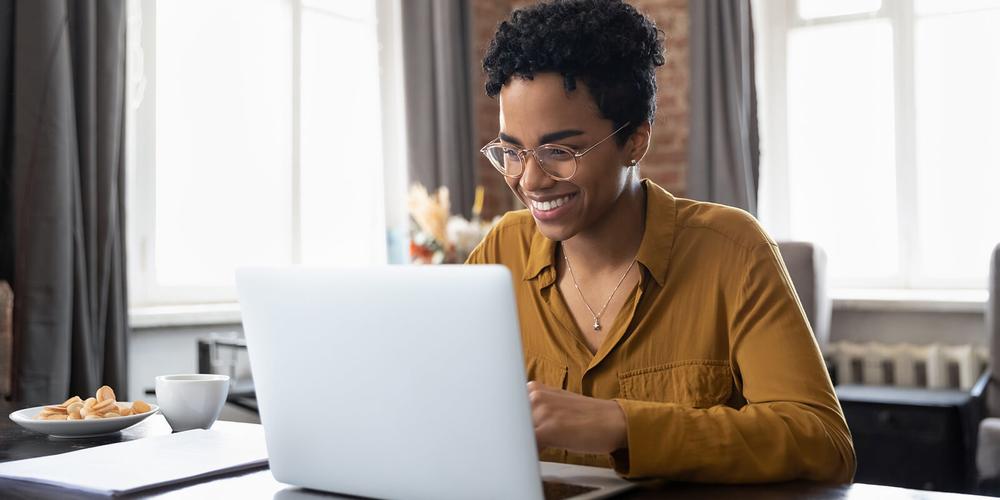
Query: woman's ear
{"points": [[638, 144]]}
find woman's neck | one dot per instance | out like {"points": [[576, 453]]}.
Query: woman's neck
{"points": [[614, 239]]}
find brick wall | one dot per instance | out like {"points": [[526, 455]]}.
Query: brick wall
{"points": [[666, 162]]}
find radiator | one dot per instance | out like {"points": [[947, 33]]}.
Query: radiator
{"points": [[933, 366]]}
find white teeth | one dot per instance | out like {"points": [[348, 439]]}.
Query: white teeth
{"points": [[545, 206]]}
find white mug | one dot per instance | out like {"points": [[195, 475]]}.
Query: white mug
{"points": [[191, 401]]}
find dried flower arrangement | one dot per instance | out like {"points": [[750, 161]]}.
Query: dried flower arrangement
{"points": [[437, 237]]}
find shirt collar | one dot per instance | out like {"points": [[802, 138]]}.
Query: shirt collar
{"points": [[542, 255], [654, 250], [658, 236]]}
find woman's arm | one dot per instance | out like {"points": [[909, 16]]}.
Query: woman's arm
{"points": [[792, 426]]}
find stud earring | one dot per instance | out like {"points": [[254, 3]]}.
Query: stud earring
{"points": [[633, 163]]}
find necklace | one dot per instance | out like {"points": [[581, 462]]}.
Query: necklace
{"points": [[597, 316]]}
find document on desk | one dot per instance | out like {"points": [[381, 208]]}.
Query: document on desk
{"points": [[130, 466]]}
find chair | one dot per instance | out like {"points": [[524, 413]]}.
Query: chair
{"points": [[806, 264], [988, 449]]}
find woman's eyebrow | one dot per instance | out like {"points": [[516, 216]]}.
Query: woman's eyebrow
{"points": [[556, 136], [545, 139]]}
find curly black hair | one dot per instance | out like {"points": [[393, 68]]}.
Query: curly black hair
{"points": [[608, 44]]}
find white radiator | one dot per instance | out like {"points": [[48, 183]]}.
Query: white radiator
{"points": [[934, 366]]}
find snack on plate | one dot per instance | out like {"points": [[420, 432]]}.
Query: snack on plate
{"points": [[102, 405]]}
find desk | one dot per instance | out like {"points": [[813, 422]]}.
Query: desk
{"points": [[17, 443]]}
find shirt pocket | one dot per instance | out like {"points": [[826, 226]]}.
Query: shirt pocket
{"points": [[694, 383], [546, 371]]}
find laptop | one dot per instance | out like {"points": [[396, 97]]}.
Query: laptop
{"points": [[399, 382]]}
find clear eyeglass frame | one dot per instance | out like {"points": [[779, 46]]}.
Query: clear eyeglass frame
{"points": [[558, 162]]}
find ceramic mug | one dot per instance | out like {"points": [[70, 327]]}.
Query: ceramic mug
{"points": [[191, 401]]}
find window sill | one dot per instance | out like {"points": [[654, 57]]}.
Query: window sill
{"points": [[184, 315], [910, 300], [890, 300]]}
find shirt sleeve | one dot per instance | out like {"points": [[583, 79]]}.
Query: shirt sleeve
{"points": [[792, 426]]}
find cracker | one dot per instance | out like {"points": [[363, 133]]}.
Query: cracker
{"points": [[105, 393]]}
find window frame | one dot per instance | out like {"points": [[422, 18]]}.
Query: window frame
{"points": [[140, 151], [774, 20]]}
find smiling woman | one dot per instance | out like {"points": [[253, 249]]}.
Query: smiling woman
{"points": [[662, 336]]}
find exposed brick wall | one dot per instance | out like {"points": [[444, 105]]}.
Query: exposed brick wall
{"points": [[666, 162], [486, 14]]}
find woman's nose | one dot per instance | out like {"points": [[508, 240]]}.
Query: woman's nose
{"points": [[534, 178]]}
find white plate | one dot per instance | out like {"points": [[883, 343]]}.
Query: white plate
{"points": [[78, 428]]}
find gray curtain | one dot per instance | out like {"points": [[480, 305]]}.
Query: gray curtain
{"points": [[6, 136], [63, 116], [724, 158], [436, 43]]}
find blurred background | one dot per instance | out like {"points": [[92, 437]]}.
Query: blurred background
{"points": [[150, 148]]}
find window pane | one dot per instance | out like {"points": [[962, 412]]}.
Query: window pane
{"points": [[840, 147], [223, 140], [958, 150], [812, 9], [342, 193]]}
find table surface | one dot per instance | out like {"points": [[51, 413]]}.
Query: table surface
{"points": [[17, 443]]}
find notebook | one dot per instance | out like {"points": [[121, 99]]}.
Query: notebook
{"points": [[140, 464]]}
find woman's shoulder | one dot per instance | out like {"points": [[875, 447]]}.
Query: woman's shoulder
{"points": [[700, 219], [510, 237]]}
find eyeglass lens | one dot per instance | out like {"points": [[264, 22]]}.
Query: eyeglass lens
{"points": [[555, 161]]}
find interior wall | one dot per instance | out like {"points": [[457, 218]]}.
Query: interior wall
{"points": [[166, 351], [915, 327]]}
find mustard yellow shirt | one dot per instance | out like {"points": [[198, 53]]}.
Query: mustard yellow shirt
{"points": [[711, 357]]}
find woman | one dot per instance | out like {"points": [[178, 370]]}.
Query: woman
{"points": [[662, 336]]}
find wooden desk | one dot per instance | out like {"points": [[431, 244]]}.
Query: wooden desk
{"points": [[17, 443]]}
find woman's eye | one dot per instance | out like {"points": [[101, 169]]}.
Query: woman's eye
{"points": [[558, 154], [511, 154]]}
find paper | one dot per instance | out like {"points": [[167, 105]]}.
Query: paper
{"points": [[145, 463]]}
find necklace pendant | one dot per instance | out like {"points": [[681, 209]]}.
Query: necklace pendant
{"points": [[597, 325]]}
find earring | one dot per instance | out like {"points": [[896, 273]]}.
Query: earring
{"points": [[633, 163]]}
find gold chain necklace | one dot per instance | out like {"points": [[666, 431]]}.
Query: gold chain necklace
{"points": [[597, 316]]}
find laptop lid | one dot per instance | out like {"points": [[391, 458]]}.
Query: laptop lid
{"points": [[394, 381]]}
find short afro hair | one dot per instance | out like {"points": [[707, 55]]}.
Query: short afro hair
{"points": [[607, 44]]}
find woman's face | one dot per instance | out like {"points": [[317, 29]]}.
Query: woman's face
{"points": [[541, 111]]}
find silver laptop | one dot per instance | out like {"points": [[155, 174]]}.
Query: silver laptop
{"points": [[399, 382]]}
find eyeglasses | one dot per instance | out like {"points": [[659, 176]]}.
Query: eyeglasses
{"points": [[559, 162]]}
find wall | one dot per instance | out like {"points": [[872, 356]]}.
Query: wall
{"points": [[163, 351], [666, 161], [915, 327]]}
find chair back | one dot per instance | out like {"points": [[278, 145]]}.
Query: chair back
{"points": [[993, 333], [806, 264]]}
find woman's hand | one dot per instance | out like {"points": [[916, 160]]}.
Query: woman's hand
{"points": [[577, 423]]}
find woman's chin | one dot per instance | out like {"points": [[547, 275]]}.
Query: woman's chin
{"points": [[554, 231]]}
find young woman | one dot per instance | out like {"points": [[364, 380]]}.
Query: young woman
{"points": [[662, 336]]}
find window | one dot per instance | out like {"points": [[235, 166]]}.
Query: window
{"points": [[260, 133], [879, 123]]}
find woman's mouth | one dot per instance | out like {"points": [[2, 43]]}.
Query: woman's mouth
{"points": [[551, 209]]}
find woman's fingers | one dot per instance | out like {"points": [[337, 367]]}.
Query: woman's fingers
{"points": [[563, 419]]}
